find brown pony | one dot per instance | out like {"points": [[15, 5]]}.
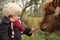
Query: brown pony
{"points": [[51, 16]]}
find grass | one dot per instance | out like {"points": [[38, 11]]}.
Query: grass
{"points": [[39, 35]]}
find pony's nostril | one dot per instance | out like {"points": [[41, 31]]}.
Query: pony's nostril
{"points": [[43, 29], [59, 15]]}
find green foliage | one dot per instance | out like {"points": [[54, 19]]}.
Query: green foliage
{"points": [[31, 21]]}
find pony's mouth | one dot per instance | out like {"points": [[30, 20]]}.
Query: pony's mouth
{"points": [[43, 28]]}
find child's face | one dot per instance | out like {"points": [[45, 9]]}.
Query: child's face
{"points": [[15, 17]]}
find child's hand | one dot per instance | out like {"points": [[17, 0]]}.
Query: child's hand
{"points": [[33, 30]]}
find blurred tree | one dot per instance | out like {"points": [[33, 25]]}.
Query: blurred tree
{"points": [[31, 3], [1, 0], [26, 6]]}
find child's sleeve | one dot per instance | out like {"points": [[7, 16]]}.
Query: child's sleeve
{"points": [[26, 31]]}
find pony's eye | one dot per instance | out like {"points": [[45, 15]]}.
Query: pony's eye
{"points": [[49, 12]]}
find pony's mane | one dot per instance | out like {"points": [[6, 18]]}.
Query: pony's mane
{"points": [[47, 6]]}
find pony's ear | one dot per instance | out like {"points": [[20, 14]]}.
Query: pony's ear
{"points": [[59, 3], [55, 3]]}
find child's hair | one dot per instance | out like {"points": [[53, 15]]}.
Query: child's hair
{"points": [[11, 8]]}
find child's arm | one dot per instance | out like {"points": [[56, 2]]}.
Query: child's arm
{"points": [[25, 30], [29, 31]]}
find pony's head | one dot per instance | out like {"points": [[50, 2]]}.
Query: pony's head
{"points": [[51, 17]]}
